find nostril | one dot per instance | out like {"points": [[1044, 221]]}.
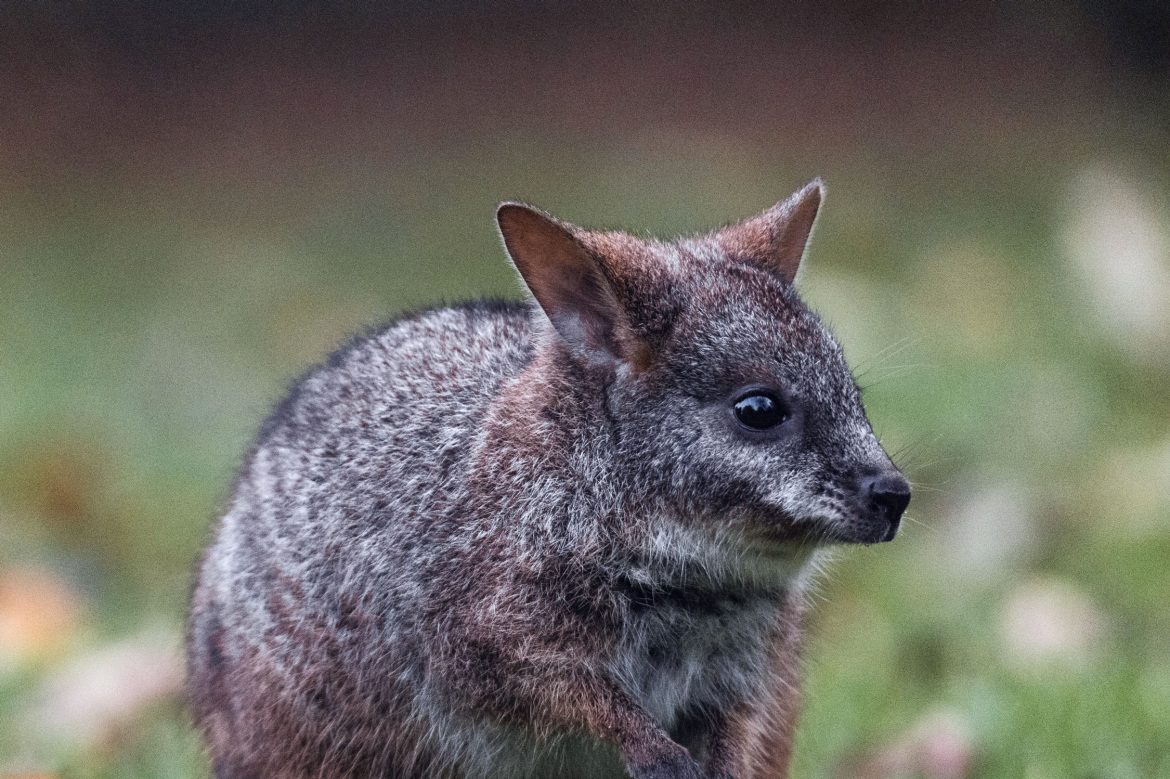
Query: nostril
{"points": [[889, 492]]}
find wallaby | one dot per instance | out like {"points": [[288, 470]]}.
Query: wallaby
{"points": [[567, 538]]}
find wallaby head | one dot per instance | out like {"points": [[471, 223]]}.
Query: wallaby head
{"points": [[730, 396]]}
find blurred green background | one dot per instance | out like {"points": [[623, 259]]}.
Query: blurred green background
{"points": [[197, 201]]}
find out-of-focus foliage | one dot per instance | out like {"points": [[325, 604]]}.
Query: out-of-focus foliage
{"points": [[186, 222]]}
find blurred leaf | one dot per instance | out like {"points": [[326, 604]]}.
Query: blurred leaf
{"points": [[101, 692], [40, 616]]}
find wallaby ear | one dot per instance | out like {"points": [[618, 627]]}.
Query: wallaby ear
{"points": [[566, 279], [779, 235]]}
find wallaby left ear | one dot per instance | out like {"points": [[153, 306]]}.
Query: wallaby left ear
{"points": [[779, 235], [567, 280]]}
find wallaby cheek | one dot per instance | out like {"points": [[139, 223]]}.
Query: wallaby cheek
{"points": [[796, 494]]}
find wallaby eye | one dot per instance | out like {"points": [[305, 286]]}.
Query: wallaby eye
{"points": [[760, 410]]}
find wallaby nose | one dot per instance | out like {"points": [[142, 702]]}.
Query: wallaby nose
{"points": [[888, 493]]}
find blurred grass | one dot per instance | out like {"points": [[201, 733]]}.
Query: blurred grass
{"points": [[147, 323]]}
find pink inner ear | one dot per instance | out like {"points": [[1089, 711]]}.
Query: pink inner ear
{"points": [[565, 279]]}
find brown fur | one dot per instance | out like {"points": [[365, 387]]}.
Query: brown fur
{"points": [[500, 541]]}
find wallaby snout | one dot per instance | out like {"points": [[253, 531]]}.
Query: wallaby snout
{"points": [[886, 494]]}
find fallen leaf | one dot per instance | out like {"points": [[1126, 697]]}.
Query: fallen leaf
{"points": [[1051, 622], [40, 616], [100, 692], [938, 746]]}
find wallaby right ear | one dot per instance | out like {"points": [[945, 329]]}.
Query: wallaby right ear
{"points": [[566, 279], [779, 236]]}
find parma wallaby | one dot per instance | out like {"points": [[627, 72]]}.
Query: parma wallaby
{"points": [[559, 539]]}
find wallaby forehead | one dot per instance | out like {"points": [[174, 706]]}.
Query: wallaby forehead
{"points": [[731, 320], [645, 265], [739, 326]]}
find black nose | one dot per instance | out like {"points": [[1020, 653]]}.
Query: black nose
{"points": [[888, 493]]}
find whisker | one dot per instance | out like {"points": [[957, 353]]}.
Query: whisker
{"points": [[918, 487], [914, 447], [885, 353], [918, 522], [890, 373], [914, 466]]}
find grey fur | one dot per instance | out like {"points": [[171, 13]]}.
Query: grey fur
{"points": [[461, 532]]}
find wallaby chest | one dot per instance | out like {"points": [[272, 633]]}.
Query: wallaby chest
{"points": [[684, 649]]}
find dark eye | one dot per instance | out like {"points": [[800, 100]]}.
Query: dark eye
{"points": [[760, 410]]}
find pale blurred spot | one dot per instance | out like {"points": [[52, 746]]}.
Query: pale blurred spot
{"points": [[938, 746], [99, 693], [989, 530], [1117, 237], [1050, 622], [1133, 493], [40, 616]]}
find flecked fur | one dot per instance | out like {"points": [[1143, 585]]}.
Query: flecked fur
{"points": [[475, 544]]}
